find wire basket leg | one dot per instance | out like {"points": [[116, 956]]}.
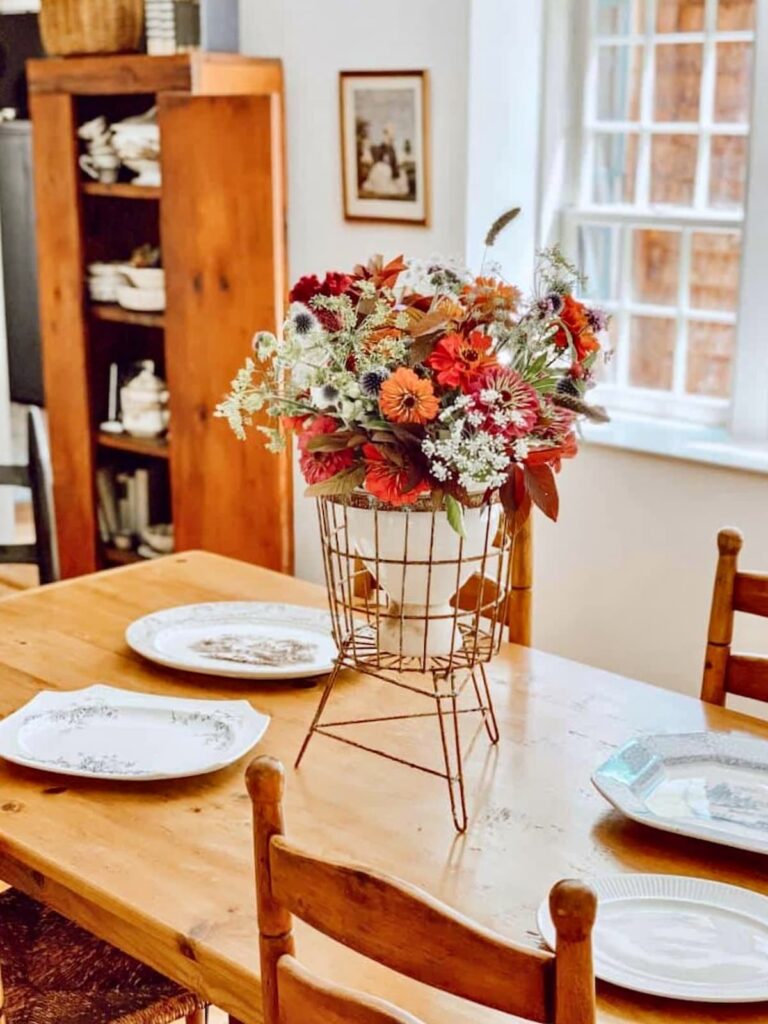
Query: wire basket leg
{"points": [[329, 684], [484, 699], [450, 740]]}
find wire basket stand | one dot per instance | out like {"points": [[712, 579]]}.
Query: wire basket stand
{"points": [[416, 606]]}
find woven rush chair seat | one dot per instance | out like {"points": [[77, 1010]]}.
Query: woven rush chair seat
{"points": [[54, 972]]}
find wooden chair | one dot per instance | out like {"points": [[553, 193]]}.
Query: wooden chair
{"points": [[36, 475], [516, 609], [724, 672], [371, 914]]}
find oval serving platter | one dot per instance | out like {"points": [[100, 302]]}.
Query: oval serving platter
{"points": [[103, 732], [237, 639]]}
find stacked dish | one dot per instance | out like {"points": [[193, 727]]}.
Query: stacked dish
{"points": [[160, 22], [137, 142], [145, 291], [105, 280]]}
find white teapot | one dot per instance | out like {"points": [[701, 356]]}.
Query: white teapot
{"points": [[144, 403]]}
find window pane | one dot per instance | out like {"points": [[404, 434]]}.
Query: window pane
{"points": [[680, 16], [734, 82], [615, 167], [599, 258], [715, 269], [652, 349], [728, 172], [604, 369], [620, 17], [710, 356], [673, 169], [618, 83], [656, 266], [678, 81], [735, 15]]}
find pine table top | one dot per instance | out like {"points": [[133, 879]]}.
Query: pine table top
{"points": [[164, 869]]}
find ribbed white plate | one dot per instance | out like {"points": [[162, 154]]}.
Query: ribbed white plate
{"points": [[103, 732], [683, 938], [235, 638], [711, 785]]}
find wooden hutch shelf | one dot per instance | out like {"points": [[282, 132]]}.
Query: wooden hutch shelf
{"points": [[157, 448], [220, 224], [111, 311], [121, 190]]}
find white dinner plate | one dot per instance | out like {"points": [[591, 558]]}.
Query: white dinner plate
{"points": [[681, 938], [711, 785], [103, 732], [238, 639]]}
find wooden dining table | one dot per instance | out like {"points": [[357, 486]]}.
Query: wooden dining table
{"points": [[164, 869]]}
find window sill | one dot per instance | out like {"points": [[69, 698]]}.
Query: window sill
{"points": [[711, 446]]}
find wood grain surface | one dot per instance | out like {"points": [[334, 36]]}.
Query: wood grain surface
{"points": [[165, 870]]}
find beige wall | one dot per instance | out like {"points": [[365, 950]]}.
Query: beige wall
{"points": [[624, 580]]}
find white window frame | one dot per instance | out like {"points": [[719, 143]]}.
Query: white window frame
{"points": [[746, 412]]}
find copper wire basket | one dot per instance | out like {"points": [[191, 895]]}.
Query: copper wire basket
{"points": [[416, 605]]}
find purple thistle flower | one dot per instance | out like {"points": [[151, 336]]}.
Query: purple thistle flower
{"points": [[598, 319]]}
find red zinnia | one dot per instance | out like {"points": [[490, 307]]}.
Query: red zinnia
{"points": [[319, 466], [457, 360], [388, 482], [309, 286]]}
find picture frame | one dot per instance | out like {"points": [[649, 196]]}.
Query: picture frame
{"points": [[384, 121]]}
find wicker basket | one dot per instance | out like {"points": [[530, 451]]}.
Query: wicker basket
{"points": [[70, 27]]}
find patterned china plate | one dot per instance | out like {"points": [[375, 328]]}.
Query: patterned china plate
{"points": [[681, 938], [238, 639], [105, 733], [711, 785]]}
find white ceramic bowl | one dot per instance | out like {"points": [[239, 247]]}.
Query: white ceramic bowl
{"points": [[159, 537], [141, 300], [106, 270], [148, 171], [145, 277], [103, 290]]}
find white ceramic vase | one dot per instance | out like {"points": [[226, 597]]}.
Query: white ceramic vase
{"points": [[419, 570]]}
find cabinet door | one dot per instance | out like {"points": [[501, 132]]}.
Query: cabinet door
{"points": [[223, 242]]}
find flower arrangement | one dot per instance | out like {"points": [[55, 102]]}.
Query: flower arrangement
{"points": [[410, 378]]}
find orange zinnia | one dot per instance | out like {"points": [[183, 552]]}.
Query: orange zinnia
{"points": [[406, 398], [457, 360]]}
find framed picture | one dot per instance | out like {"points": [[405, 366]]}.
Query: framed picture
{"points": [[384, 150]]}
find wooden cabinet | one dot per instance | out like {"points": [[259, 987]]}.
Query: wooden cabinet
{"points": [[219, 217]]}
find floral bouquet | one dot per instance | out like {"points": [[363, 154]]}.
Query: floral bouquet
{"points": [[413, 378]]}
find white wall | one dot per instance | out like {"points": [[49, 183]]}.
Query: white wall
{"points": [[316, 39], [624, 579]]}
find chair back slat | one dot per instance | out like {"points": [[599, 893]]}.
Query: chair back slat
{"points": [[734, 591], [750, 594], [305, 999], [372, 915], [14, 476], [18, 554], [36, 475], [747, 676]]}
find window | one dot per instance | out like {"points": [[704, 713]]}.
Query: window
{"points": [[658, 217]]}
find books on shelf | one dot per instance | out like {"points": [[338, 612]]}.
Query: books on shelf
{"points": [[129, 500]]}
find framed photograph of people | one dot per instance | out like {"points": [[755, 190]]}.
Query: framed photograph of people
{"points": [[384, 145]]}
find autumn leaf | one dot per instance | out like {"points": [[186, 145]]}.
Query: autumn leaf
{"points": [[515, 500], [540, 483], [339, 485]]}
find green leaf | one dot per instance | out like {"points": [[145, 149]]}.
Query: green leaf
{"points": [[342, 483], [455, 513]]}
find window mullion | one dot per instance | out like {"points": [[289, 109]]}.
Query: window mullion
{"points": [[623, 342], [681, 336], [643, 182], [706, 107]]}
